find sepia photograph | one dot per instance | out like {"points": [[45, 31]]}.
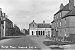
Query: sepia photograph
{"points": [[37, 24]]}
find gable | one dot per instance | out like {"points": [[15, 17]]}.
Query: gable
{"points": [[33, 25]]}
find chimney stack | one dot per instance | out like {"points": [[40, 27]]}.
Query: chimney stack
{"points": [[71, 4], [33, 20], [61, 6], [0, 12], [3, 14], [43, 21], [0, 9]]}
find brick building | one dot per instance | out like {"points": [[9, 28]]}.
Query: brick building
{"points": [[63, 24]]}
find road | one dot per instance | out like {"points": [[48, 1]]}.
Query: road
{"points": [[25, 42]]}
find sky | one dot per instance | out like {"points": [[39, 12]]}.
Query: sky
{"points": [[23, 12]]}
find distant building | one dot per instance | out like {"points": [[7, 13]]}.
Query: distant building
{"points": [[25, 31], [63, 24], [16, 30], [39, 28]]}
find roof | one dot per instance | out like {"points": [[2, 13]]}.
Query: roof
{"points": [[65, 8], [32, 23], [8, 20], [52, 21], [41, 25], [71, 13], [44, 25]]}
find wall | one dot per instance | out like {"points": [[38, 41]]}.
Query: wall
{"points": [[33, 25], [72, 21], [72, 24], [40, 29], [9, 28], [34, 32]]}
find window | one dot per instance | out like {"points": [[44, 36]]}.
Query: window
{"points": [[65, 21], [39, 32], [74, 2], [65, 18], [54, 17], [43, 32], [36, 32], [2, 22], [33, 25], [57, 16], [60, 23], [60, 14], [57, 24], [32, 32]]}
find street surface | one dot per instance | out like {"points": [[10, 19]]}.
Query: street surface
{"points": [[26, 42], [29, 43]]}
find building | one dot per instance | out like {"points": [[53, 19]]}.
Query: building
{"points": [[16, 30], [63, 25], [7, 26], [25, 31], [39, 28]]}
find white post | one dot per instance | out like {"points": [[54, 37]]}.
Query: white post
{"points": [[4, 28], [1, 29]]}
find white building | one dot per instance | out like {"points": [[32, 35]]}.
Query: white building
{"points": [[39, 28]]}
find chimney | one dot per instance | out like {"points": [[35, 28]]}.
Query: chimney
{"points": [[0, 12], [71, 4], [33, 20], [43, 21], [0, 9], [61, 6], [3, 14]]}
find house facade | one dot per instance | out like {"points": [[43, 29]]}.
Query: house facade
{"points": [[7, 26], [64, 21], [41, 29]]}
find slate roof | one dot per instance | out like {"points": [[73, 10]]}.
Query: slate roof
{"points": [[44, 25], [8, 20], [32, 23], [65, 8], [41, 25], [70, 13], [52, 21]]}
